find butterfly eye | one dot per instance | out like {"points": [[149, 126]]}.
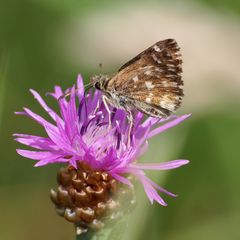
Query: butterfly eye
{"points": [[97, 85]]}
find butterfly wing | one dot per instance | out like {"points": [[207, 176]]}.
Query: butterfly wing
{"points": [[151, 81]]}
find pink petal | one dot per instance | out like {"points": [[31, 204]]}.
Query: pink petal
{"points": [[38, 118], [153, 121], [161, 166], [38, 155], [139, 152], [161, 189], [58, 139], [59, 96], [73, 162], [44, 105], [121, 179], [57, 92], [140, 173], [41, 163], [71, 115], [80, 87], [21, 113], [168, 125], [36, 142], [150, 190]]}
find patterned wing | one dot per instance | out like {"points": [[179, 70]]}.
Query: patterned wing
{"points": [[152, 80]]}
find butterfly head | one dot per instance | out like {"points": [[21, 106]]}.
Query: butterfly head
{"points": [[99, 81]]}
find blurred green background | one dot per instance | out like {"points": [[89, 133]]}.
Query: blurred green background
{"points": [[48, 42]]}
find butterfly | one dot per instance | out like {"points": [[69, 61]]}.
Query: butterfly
{"points": [[151, 82]]}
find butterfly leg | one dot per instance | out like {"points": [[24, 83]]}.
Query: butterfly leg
{"points": [[97, 108], [105, 102], [130, 119]]}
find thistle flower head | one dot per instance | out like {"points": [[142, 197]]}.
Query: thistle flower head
{"points": [[79, 133]]}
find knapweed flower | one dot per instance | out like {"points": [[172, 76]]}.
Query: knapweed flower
{"points": [[80, 136]]}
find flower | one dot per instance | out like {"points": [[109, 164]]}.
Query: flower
{"points": [[81, 133]]}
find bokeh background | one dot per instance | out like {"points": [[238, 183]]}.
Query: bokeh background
{"points": [[48, 42]]}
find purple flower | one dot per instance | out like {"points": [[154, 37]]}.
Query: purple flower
{"points": [[80, 133]]}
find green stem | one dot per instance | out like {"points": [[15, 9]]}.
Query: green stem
{"points": [[89, 235], [98, 235], [116, 232]]}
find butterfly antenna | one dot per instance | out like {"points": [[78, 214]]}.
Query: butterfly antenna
{"points": [[86, 88], [100, 65]]}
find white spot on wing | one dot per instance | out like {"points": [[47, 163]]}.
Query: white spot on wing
{"points": [[158, 70], [164, 84], [156, 59], [169, 84], [147, 67], [135, 79], [148, 100], [156, 48], [148, 72], [149, 85], [169, 75], [167, 103]]}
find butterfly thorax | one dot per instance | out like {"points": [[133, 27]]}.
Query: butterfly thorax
{"points": [[104, 83]]}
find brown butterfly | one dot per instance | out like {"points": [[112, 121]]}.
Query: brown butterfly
{"points": [[151, 82]]}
